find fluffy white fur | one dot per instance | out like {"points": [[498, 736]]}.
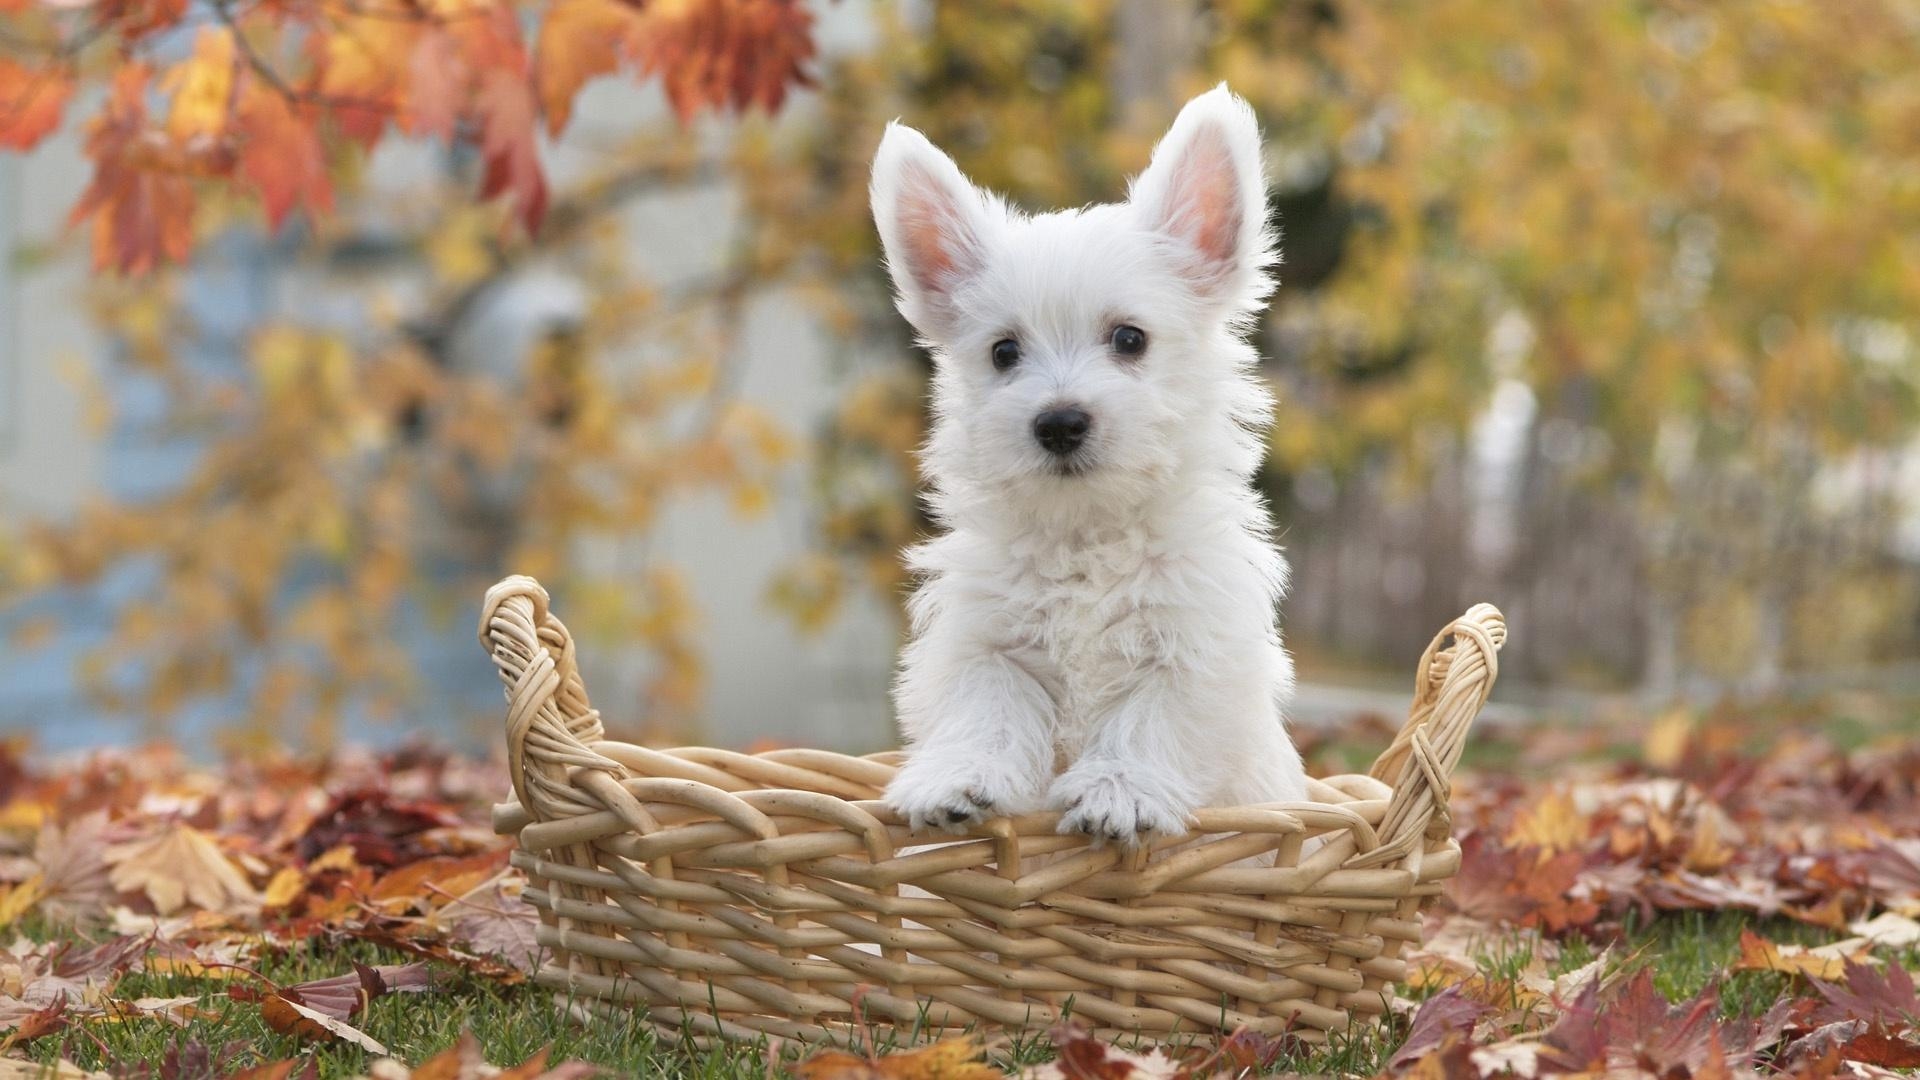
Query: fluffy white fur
{"points": [[1099, 639]]}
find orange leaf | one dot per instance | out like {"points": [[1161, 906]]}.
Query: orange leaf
{"points": [[948, 1059], [580, 40], [359, 67], [727, 53], [142, 214], [31, 103], [447, 874], [1759, 954], [281, 156]]}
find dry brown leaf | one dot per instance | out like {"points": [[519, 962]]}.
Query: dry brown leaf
{"points": [[180, 866], [292, 1018], [72, 861]]}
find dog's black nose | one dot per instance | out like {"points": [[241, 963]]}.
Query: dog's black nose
{"points": [[1061, 431]]}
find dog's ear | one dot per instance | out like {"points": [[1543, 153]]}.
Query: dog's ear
{"points": [[1207, 189], [933, 223]]}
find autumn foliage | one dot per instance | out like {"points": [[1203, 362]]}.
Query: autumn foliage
{"points": [[276, 97], [1589, 864]]}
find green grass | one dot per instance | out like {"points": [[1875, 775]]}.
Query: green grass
{"points": [[1685, 951]]}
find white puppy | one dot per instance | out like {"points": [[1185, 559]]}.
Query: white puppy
{"points": [[1095, 632]]}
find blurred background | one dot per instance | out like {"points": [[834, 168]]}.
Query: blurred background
{"points": [[1605, 314]]}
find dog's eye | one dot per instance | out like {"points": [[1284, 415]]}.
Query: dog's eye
{"points": [[1006, 353], [1129, 340]]}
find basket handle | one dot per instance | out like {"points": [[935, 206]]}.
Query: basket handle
{"points": [[551, 726], [1455, 676]]}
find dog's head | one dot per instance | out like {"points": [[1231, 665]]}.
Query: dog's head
{"points": [[1093, 354]]}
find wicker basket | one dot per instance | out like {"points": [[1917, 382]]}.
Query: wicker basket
{"points": [[738, 895]]}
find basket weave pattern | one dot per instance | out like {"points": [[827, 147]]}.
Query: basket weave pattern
{"points": [[737, 895]]}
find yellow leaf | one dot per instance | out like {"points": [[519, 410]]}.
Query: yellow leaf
{"points": [[1553, 825], [22, 815], [20, 899], [458, 249], [286, 887], [202, 87], [1708, 851], [335, 858], [1666, 741]]}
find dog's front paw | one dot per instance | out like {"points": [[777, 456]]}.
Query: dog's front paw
{"points": [[934, 791], [1104, 804]]}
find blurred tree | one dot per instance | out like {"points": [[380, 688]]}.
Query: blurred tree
{"points": [[1690, 217], [1684, 229], [342, 455], [1674, 239]]}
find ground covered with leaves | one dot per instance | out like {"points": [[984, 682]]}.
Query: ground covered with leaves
{"points": [[1712, 897]]}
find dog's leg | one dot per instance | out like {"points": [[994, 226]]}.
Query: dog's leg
{"points": [[1175, 740], [1139, 775], [980, 726]]}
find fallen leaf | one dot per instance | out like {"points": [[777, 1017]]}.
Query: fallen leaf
{"points": [[948, 1059], [73, 866], [1082, 1056], [1878, 996], [38, 1024], [19, 899], [497, 921], [302, 1021], [1759, 954], [288, 884], [432, 882], [179, 866], [1551, 824], [1450, 1012], [1668, 738], [1889, 931]]}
